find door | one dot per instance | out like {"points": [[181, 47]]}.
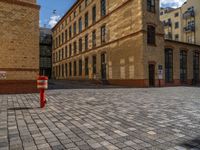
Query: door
{"points": [[151, 75], [103, 66]]}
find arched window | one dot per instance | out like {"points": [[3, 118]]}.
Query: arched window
{"points": [[168, 65], [196, 67], [183, 66]]}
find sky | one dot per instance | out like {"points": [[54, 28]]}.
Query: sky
{"points": [[52, 10]]}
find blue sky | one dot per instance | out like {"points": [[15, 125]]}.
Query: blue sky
{"points": [[48, 6], [61, 6]]}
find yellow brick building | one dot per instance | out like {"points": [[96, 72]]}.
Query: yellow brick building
{"points": [[19, 45], [120, 42], [182, 24]]}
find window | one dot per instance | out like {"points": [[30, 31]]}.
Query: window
{"points": [[80, 8], [66, 70], [70, 32], [70, 49], [62, 53], [59, 55], [103, 8], [151, 6], [183, 66], [94, 38], [94, 64], [60, 70], [86, 42], [80, 24], [86, 3], [70, 69], [74, 48], [151, 34], [176, 25], [56, 42], [168, 65], [80, 67], [62, 38], [63, 68], [66, 35], [177, 37], [75, 68], [86, 67], [94, 14], [59, 38], [103, 34], [66, 51], [176, 14], [196, 67], [80, 45], [86, 20], [74, 14], [74, 28]]}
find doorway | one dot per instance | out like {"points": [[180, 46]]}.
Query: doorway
{"points": [[151, 75], [103, 66]]}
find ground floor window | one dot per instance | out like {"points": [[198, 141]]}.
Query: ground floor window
{"points": [[70, 69], [66, 70], [196, 67], [168, 65], [86, 67], [183, 66], [75, 68], [94, 64], [80, 67], [63, 68]]}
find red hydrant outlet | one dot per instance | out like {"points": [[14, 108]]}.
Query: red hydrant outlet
{"points": [[42, 84]]}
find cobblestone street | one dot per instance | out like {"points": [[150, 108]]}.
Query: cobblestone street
{"points": [[86, 119]]}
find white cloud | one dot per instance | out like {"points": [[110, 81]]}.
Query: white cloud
{"points": [[172, 3], [53, 20]]}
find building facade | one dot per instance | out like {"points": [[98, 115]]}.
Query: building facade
{"points": [[182, 24], [19, 46], [45, 52], [118, 41]]}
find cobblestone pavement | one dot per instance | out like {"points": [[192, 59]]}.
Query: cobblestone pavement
{"points": [[152, 119]]}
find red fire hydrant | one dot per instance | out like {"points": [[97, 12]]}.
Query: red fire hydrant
{"points": [[42, 84]]}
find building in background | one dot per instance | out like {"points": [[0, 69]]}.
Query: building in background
{"points": [[183, 23], [19, 46], [122, 43], [45, 51]]}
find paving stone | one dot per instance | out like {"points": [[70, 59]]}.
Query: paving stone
{"points": [[110, 118]]}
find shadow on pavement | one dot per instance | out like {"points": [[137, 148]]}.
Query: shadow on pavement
{"points": [[192, 144], [22, 108], [66, 84]]}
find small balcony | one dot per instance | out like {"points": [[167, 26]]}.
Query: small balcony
{"points": [[167, 24], [189, 28], [188, 14]]}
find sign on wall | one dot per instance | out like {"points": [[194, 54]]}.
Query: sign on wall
{"points": [[2, 75]]}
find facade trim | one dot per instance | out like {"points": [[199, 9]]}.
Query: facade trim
{"points": [[19, 69], [26, 4], [96, 21]]}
